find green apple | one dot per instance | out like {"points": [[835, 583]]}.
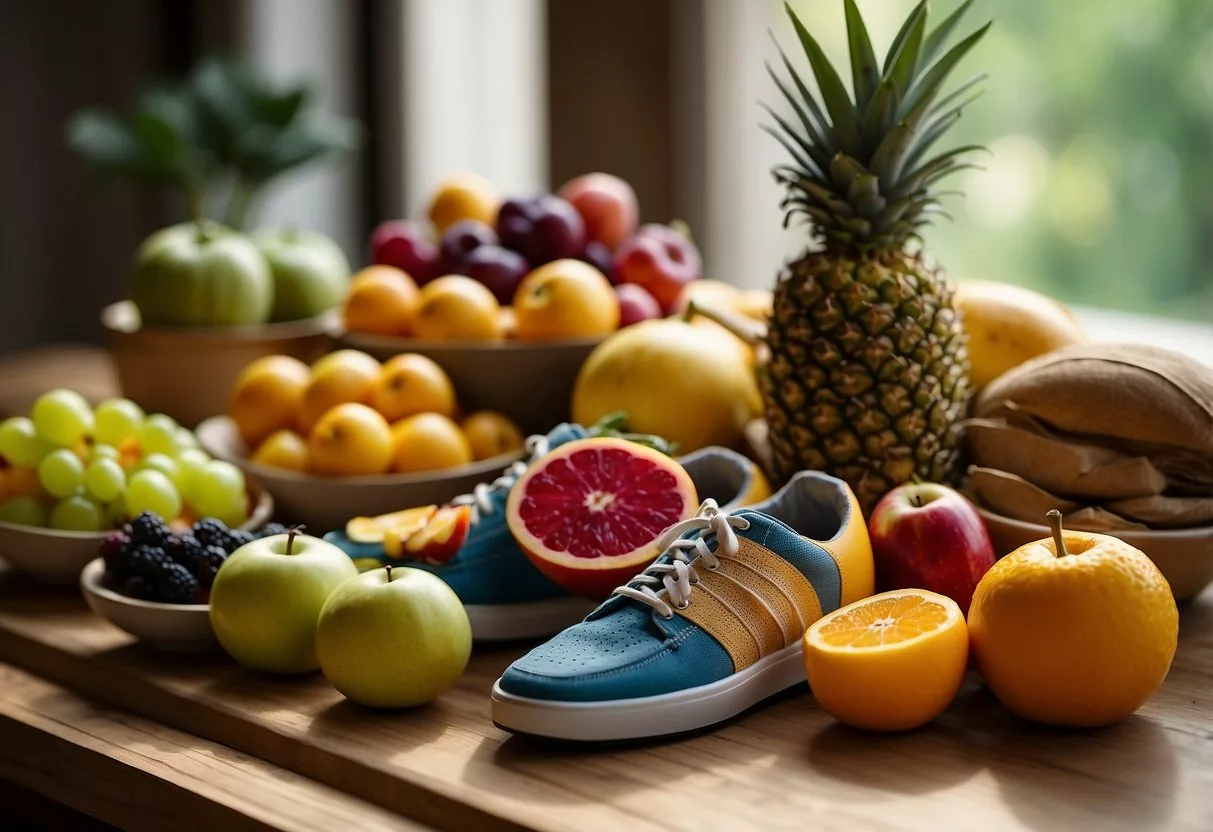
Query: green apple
{"points": [[393, 638], [201, 274], [310, 272], [267, 598]]}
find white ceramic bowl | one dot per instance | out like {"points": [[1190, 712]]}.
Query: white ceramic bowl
{"points": [[56, 557], [326, 503], [1184, 556], [177, 628], [531, 382]]}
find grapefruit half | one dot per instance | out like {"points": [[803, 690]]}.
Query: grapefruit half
{"points": [[589, 513]]}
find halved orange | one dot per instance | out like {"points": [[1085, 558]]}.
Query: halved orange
{"points": [[373, 529], [890, 662]]}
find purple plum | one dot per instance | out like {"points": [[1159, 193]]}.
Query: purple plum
{"points": [[601, 258], [498, 269], [541, 229], [460, 240]]}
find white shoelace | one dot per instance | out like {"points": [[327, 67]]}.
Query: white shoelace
{"points": [[676, 578], [481, 498]]}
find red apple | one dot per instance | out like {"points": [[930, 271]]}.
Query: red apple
{"points": [[659, 259], [927, 536], [635, 304], [406, 246], [606, 203]]}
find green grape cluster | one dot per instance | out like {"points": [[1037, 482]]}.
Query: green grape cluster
{"points": [[70, 466]]}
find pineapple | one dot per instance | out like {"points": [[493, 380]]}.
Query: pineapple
{"points": [[868, 370]]}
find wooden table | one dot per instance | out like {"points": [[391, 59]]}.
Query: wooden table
{"points": [[144, 740]]}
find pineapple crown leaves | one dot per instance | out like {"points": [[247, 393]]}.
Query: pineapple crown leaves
{"points": [[861, 172]]}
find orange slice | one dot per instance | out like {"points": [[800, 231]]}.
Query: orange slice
{"points": [[891, 662], [440, 537], [373, 529]]}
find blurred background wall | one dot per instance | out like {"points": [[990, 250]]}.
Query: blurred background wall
{"points": [[1099, 117]]}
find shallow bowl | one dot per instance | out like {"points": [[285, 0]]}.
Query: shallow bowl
{"points": [[56, 557], [326, 503], [1184, 556], [177, 628], [189, 372], [531, 382]]}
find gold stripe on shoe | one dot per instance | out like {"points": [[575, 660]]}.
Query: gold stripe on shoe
{"points": [[755, 606], [852, 551]]}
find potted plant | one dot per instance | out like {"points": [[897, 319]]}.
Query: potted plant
{"points": [[205, 297]]}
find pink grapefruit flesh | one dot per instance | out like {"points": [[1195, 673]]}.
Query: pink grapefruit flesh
{"points": [[588, 514]]}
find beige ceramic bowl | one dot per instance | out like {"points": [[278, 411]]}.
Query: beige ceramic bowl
{"points": [[531, 382], [177, 628], [326, 503], [188, 373], [56, 557], [1184, 556]]}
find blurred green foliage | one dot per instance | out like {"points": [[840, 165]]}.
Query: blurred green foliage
{"points": [[1099, 118]]}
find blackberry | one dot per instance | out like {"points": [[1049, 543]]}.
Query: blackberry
{"points": [[174, 584], [237, 538], [149, 529], [208, 565], [143, 561], [271, 529], [114, 549], [137, 587], [185, 549], [211, 532]]}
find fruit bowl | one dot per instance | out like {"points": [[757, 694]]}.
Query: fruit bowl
{"points": [[186, 372], [326, 503], [1184, 556], [176, 628], [531, 382], [56, 557]]}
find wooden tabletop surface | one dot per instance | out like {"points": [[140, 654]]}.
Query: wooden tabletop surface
{"points": [[144, 740]]}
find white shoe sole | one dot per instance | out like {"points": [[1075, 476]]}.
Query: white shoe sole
{"points": [[650, 716], [536, 619]]}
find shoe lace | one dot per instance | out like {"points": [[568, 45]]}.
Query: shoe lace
{"points": [[481, 497], [676, 577]]}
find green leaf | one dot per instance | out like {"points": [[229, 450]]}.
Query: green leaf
{"points": [[266, 153], [843, 170], [810, 128], [823, 124], [103, 139], [905, 62], [805, 162], [819, 160], [842, 113], [933, 130], [279, 110], [927, 86], [942, 32], [959, 91], [882, 109], [902, 34], [890, 156], [864, 74]]}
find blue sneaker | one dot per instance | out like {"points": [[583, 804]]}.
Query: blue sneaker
{"points": [[711, 628], [505, 596]]}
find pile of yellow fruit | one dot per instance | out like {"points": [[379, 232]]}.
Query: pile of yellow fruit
{"points": [[350, 415]]}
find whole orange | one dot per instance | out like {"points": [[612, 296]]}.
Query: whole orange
{"points": [[381, 300], [1078, 630], [565, 299], [283, 449], [348, 440], [412, 383], [339, 377], [455, 307], [428, 442], [267, 395], [491, 434], [463, 196]]}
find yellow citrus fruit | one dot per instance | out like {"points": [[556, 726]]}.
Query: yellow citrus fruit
{"points": [[283, 449], [890, 662], [339, 377], [428, 442], [756, 304], [267, 395], [714, 293], [348, 440], [381, 300], [693, 385], [412, 383], [399, 523], [1007, 325], [464, 196], [565, 299], [491, 434], [1077, 630], [458, 308]]}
